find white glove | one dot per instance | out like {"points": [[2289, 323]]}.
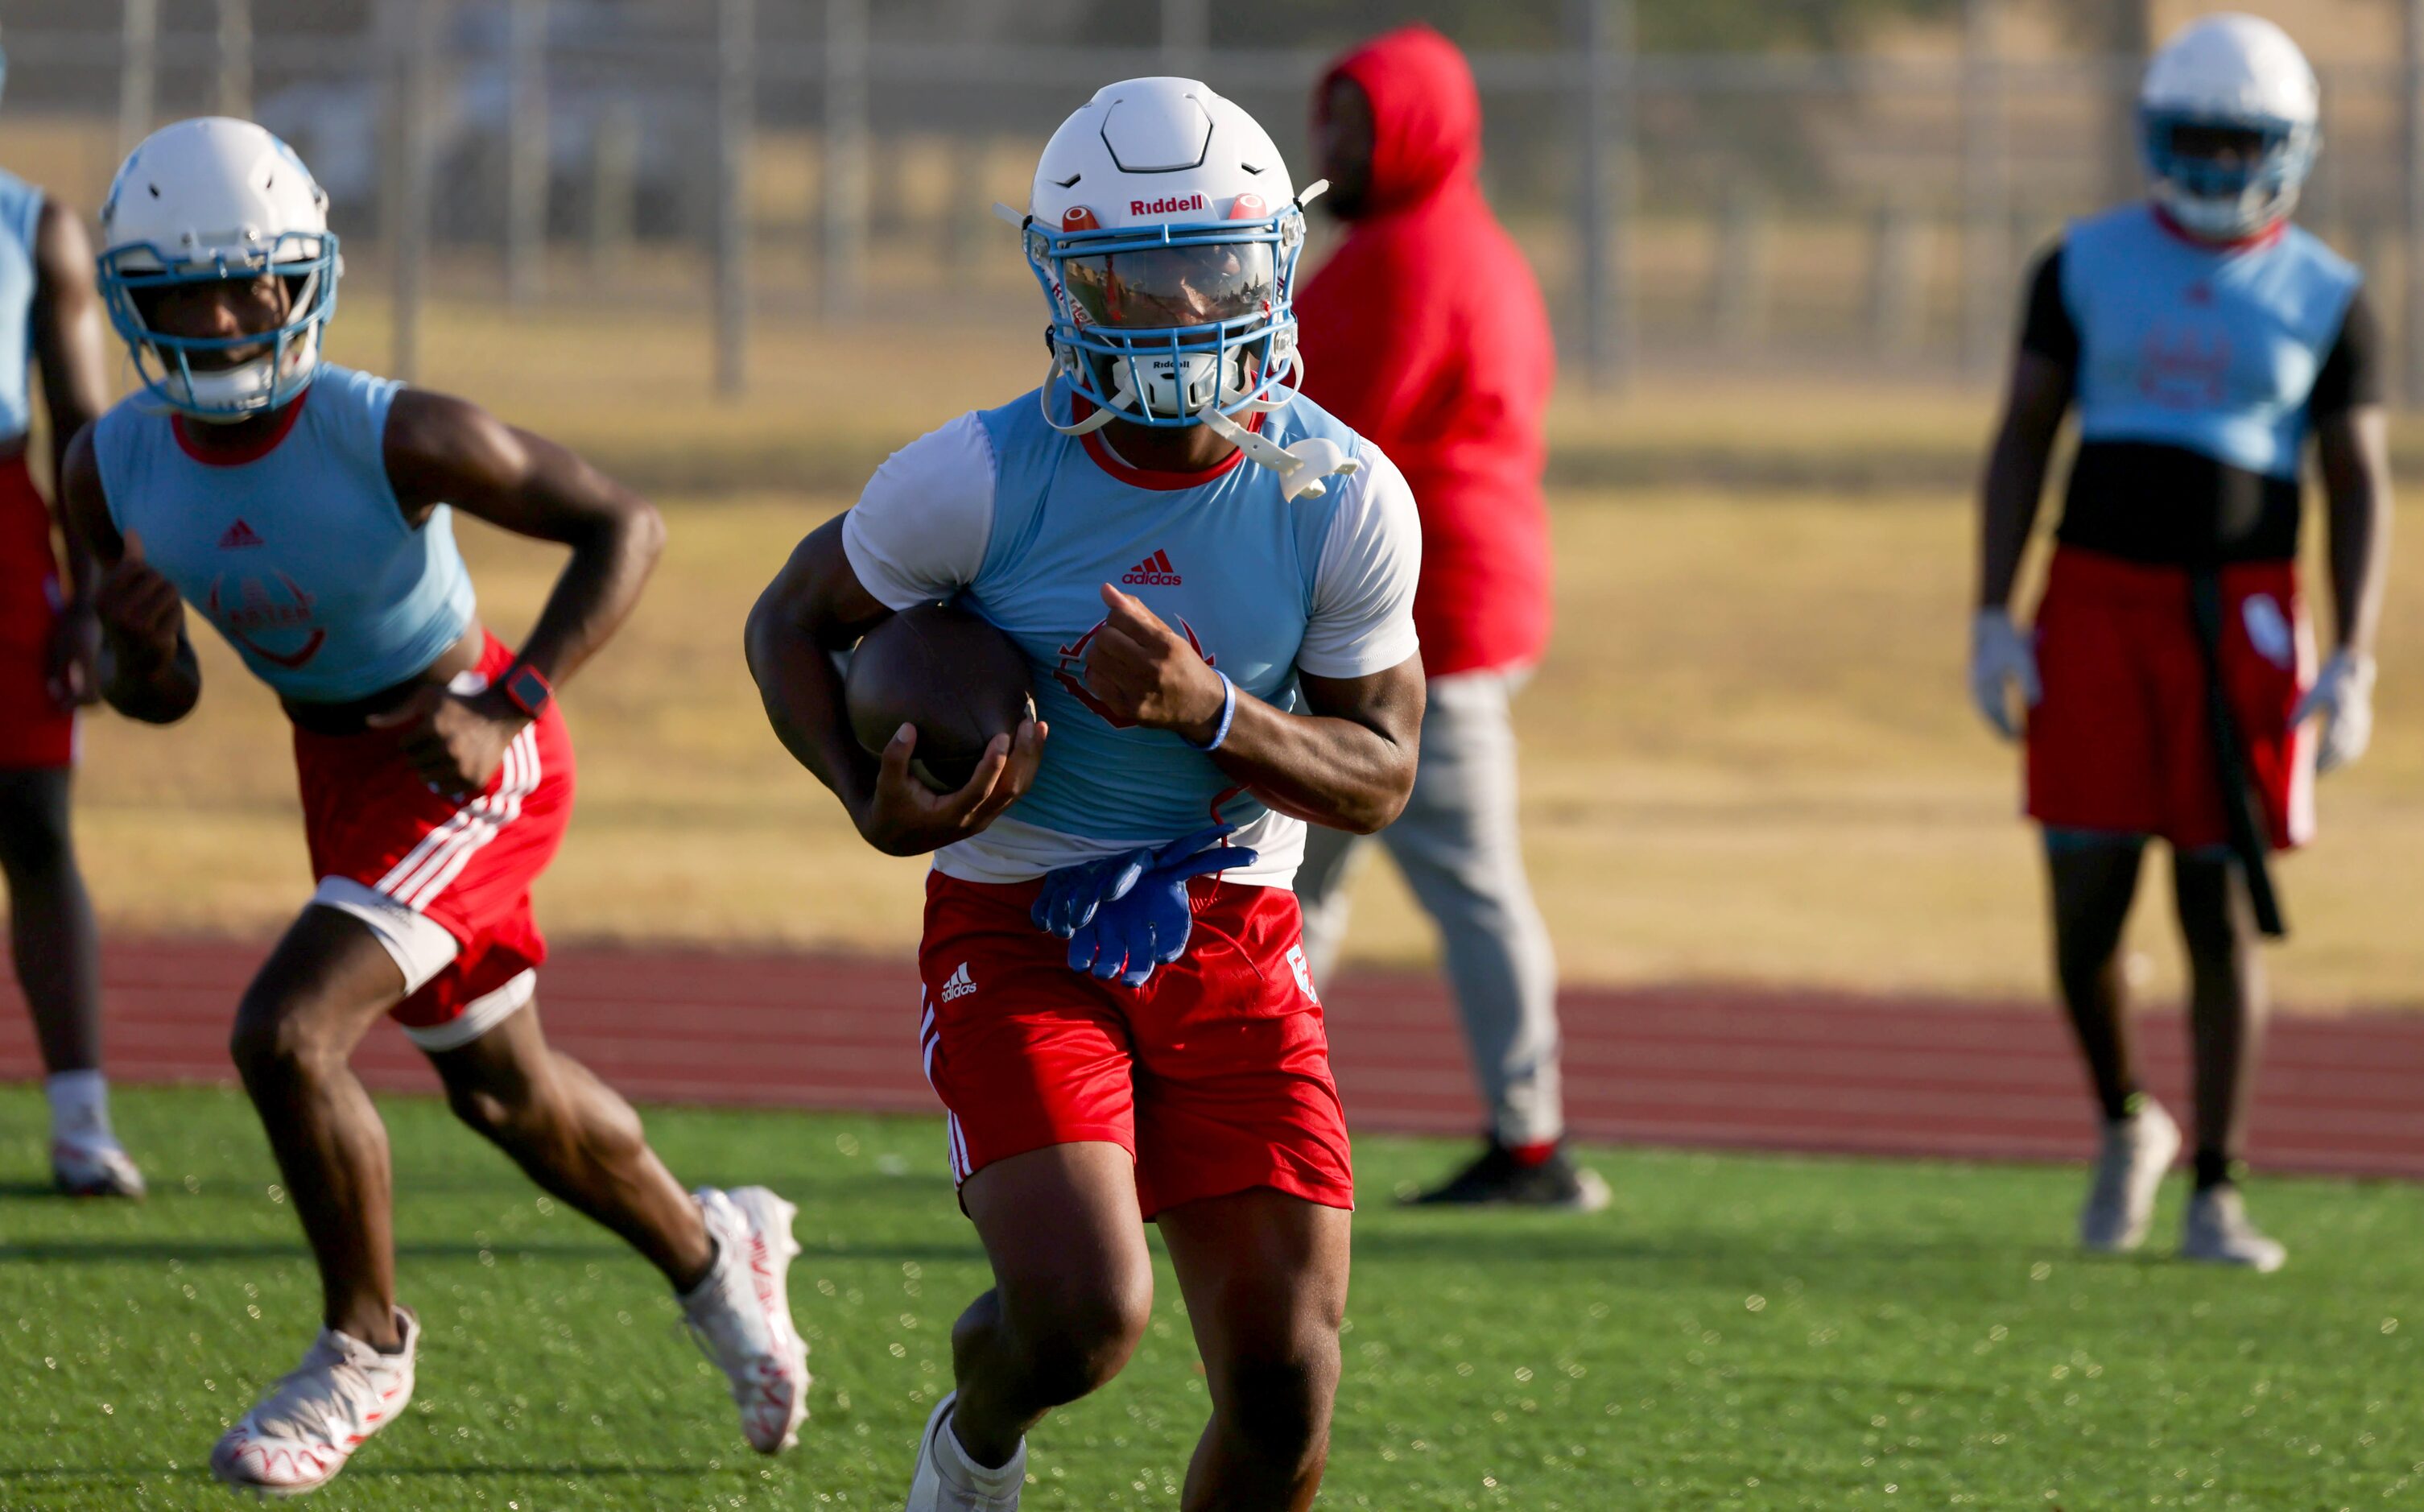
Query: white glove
{"points": [[2342, 698], [2001, 656]]}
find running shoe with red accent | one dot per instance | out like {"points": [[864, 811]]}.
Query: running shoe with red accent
{"points": [[298, 1436], [83, 1168], [740, 1314]]}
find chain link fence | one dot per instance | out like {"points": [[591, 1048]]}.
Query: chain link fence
{"points": [[738, 161]]}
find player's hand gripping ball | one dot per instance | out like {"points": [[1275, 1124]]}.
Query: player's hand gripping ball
{"points": [[1124, 915], [944, 698], [955, 678]]}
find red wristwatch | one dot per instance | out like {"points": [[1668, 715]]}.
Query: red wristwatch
{"points": [[527, 689]]}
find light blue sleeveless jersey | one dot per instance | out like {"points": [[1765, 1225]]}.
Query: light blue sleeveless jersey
{"points": [[2214, 350], [1230, 564], [21, 211], [301, 556]]}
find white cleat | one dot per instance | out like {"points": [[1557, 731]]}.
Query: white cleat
{"points": [[740, 1314], [937, 1489], [2129, 1169], [297, 1438], [84, 1170], [2217, 1231]]}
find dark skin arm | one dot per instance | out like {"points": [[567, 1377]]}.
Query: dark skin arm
{"points": [[816, 606], [70, 352], [2353, 448], [1350, 766], [152, 673], [2015, 473], [443, 450]]}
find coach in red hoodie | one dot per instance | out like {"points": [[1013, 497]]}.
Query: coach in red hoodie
{"points": [[1427, 333]]}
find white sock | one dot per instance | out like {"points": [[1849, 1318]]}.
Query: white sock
{"points": [[80, 1107], [985, 1480]]}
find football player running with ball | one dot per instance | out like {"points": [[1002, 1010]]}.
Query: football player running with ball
{"points": [[2169, 689], [1212, 581], [305, 510]]}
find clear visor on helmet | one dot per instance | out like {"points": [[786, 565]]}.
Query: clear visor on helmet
{"points": [[1167, 287]]}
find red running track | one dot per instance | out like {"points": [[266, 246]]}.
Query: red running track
{"points": [[1691, 1066]]}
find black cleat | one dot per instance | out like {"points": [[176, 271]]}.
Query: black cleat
{"points": [[1497, 1179]]}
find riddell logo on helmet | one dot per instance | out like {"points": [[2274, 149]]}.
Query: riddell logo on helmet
{"points": [[1167, 206]]}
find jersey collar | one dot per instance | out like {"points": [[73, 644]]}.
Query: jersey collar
{"points": [[2205, 243], [1159, 479], [235, 456]]}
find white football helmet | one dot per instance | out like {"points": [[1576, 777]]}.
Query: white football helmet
{"points": [[204, 201], [1164, 229], [2238, 73]]}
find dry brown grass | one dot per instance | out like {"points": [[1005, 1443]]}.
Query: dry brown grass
{"points": [[1748, 755], [1748, 758]]}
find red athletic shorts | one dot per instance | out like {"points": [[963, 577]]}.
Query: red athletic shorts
{"points": [[384, 843], [34, 731], [1214, 1076], [2120, 744]]}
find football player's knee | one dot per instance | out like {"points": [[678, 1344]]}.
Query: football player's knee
{"points": [[512, 1116], [271, 1042], [1278, 1400], [1078, 1335]]}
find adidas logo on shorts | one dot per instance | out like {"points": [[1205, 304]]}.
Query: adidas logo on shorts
{"points": [[960, 985]]}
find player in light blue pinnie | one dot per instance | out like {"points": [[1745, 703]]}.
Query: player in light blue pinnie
{"points": [[1212, 580]]}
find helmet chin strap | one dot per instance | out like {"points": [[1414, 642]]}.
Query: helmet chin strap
{"points": [[1304, 467], [1101, 415]]}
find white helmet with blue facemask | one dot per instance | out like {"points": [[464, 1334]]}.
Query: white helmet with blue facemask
{"points": [[210, 200], [1164, 230], [2236, 74]]}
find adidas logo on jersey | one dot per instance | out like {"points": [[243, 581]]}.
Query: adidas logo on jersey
{"points": [[1154, 572], [960, 985], [240, 535]]}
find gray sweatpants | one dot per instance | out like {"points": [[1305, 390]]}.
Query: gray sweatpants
{"points": [[1459, 846]]}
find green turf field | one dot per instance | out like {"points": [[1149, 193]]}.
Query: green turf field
{"points": [[1750, 1332]]}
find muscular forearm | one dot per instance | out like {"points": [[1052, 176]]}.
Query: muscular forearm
{"points": [[596, 591], [1331, 772], [803, 694], [147, 689]]}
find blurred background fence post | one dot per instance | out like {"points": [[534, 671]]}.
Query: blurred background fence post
{"points": [[735, 100], [2412, 197], [1605, 203], [236, 58], [1185, 35], [1772, 185], [413, 27], [843, 277], [1986, 189], [528, 149], [1898, 268], [138, 72]]}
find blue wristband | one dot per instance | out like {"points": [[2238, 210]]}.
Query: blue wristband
{"points": [[1228, 713]]}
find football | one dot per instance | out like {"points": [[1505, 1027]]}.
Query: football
{"points": [[947, 672]]}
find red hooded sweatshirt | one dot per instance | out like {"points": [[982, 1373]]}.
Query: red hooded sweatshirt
{"points": [[1427, 333]]}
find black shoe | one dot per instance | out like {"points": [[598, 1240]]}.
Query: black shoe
{"points": [[1497, 1179]]}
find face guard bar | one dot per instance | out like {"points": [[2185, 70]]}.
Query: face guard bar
{"points": [[1252, 356], [166, 363]]}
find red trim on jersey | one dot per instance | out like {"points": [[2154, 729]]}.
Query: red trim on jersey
{"points": [[2205, 244], [223, 455], [1160, 479]]}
